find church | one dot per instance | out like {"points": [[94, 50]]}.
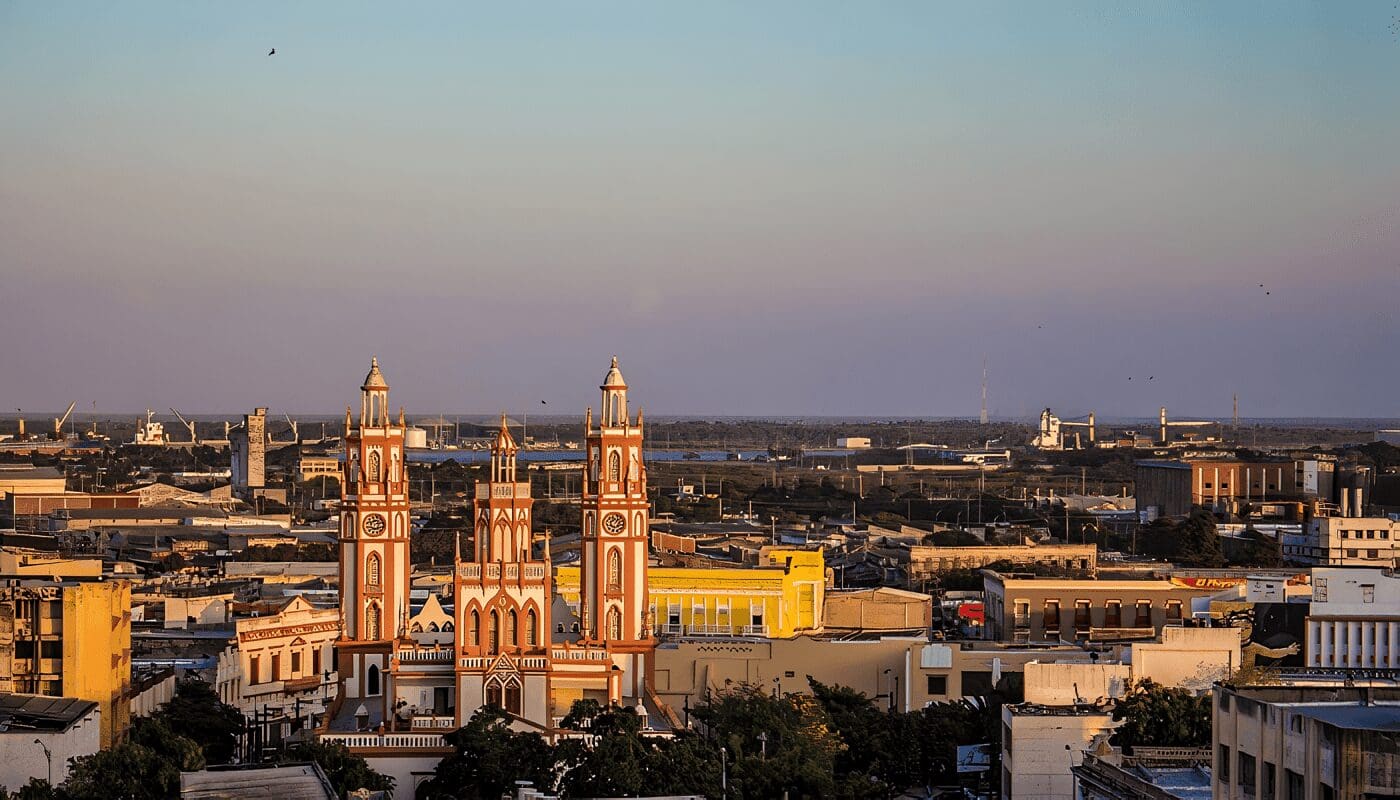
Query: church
{"points": [[510, 641]]}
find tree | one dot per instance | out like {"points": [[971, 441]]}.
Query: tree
{"points": [[611, 760], [196, 713], [128, 771], [346, 771], [488, 758], [1162, 716]]}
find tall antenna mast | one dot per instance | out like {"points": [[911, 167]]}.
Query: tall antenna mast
{"points": [[984, 390], [1237, 410]]}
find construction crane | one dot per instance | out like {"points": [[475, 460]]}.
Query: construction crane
{"points": [[296, 434], [57, 434], [188, 425]]}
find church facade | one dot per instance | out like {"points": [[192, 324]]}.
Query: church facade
{"points": [[511, 641]]}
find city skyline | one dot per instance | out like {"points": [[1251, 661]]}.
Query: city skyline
{"points": [[783, 211]]}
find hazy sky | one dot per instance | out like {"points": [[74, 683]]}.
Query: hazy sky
{"points": [[762, 208]]}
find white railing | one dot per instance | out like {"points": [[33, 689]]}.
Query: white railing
{"points": [[710, 630], [673, 630], [755, 630], [579, 654], [433, 721], [443, 656], [387, 740]]}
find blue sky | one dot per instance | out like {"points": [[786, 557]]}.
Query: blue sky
{"points": [[777, 208]]}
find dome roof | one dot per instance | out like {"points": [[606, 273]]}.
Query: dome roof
{"points": [[375, 378], [614, 377]]}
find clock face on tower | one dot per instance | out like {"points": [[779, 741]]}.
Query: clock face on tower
{"points": [[614, 523], [374, 524]]}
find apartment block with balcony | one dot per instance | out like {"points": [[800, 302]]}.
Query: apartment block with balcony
{"points": [[1029, 608], [1354, 620]]}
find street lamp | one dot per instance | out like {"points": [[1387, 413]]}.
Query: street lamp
{"points": [[724, 771], [48, 755], [763, 744]]}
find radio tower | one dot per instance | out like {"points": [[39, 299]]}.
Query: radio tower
{"points": [[984, 390]]}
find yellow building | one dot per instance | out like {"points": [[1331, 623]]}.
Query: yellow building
{"points": [[780, 598], [69, 639]]}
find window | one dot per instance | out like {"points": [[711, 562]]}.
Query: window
{"points": [[532, 628], [372, 570], [474, 628], [1320, 590], [372, 622], [1113, 614], [1293, 786], [296, 663], [614, 466], [1144, 614], [614, 623], [513, 698], [374, 466], [372, 680], [277, 666], [511, 631], [50, 648], [1052, 614], [1295, 723], [1173, 610], [938, 684], [493, 633], [316, 660], [1267, 784], [1368, 593], [254, 671], [1081, 614], [1373, 554], [1223, 763], [614, 571], [1246, 775]]}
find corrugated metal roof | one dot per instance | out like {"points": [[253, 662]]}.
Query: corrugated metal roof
{"points": [[294, 782]]}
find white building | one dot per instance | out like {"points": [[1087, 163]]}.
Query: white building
{"points": [[38, 735], [1345, 542], [281, 661], [1354, 620]]}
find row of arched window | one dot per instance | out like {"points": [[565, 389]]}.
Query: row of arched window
{"points": [[496, 636]]}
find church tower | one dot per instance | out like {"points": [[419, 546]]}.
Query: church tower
{"points": [[374, 541], [503, 597], [613, 570]]}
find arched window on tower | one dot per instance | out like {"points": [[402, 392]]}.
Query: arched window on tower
{"points": [[372, 622], [493, 633], [374, 466], [474, 629], [614, 466], [614, 623], [510, 628], [372, 571], [372, 680], [614, 571], [532, 628]]}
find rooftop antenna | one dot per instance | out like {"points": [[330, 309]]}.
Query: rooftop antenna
{"points": [[984, 390], [1236, 398]]}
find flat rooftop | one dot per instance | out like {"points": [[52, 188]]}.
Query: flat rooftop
{"points": [[30, 713]]}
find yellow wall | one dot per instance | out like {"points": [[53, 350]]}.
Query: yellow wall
{"points": [[788, 588], [97, 651]]}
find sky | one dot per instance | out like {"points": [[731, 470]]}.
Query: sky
{"points": [[774, 208]]}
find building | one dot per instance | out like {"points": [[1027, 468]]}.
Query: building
{"points": [[1150, 773], [854, 442], [925, 562], [1162, 488], [248, 454], [1027, 608], [781, 597], [281, 662], [39, 735], [1226, 484], [309, 467], [1040, 744], [1354, 620], [1345, 542], [1307, 740], [300, 781], [69, 639], [400, 687], [25, 479]]}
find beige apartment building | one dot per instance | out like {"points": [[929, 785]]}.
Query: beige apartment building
{"points": [[1026, 608], [927, 561], [1314, 741], [282, 661]]}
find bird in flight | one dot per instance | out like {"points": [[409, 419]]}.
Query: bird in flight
{"points": [[272, 52]]}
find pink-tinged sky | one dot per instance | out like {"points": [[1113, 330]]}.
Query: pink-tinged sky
{"points": [[774, 208]]}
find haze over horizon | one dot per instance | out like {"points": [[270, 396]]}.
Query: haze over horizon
{"points": [[798, 209]]}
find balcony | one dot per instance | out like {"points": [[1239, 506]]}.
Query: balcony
{"points": [[672, 629], [430, 722], [439, 656], [755, 630], [387, 741]]}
